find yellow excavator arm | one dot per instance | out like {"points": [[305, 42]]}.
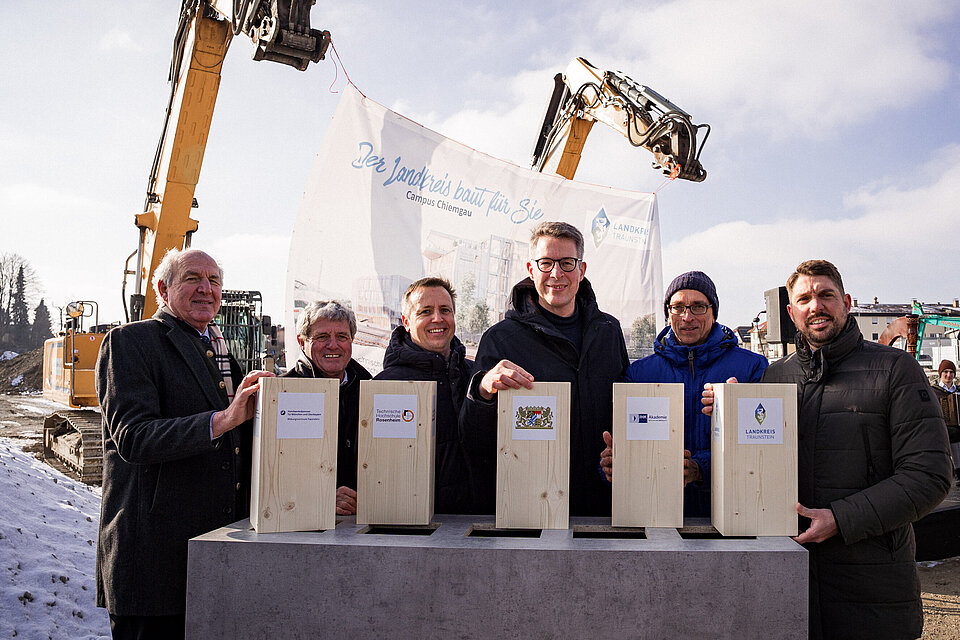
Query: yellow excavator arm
{"points": [[281, 31], [584, 94]]}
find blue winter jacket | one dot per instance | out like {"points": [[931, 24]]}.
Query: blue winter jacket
{"points": [[717, 359]]}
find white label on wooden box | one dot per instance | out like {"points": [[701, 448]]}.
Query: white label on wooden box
{"points": [[394, 416], [299, 415], [760, 421], [648, 418], [534, 417]]}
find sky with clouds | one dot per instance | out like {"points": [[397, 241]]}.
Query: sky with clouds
{"points": [[835, 130]]}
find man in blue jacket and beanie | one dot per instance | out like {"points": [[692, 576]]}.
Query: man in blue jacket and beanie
{"points": [[693, 349]]}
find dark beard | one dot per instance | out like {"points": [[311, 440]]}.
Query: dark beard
{"points": [[824, 338]]}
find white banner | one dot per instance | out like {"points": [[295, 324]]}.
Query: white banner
{"points": [[389, 201]]}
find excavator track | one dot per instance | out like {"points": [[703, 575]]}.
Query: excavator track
{"points": [[75, 439]]}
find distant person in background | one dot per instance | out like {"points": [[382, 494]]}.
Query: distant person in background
{"points": [[325, 333], [424, 347], [693, 349], [945, 389], [177, 435]]}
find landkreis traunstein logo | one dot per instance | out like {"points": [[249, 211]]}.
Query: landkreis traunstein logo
{"points": [[599, 227], [760, 414]]}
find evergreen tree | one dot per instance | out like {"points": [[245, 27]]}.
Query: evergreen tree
{"points": [[20, 315], [40, 330]]}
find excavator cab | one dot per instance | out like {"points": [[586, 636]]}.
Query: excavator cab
{"points": [[73, 437]]}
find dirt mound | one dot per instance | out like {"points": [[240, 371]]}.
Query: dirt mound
{"points": [[23, 374]]}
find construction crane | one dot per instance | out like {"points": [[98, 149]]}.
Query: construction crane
{"points": [[281, 32], [584, 94]]}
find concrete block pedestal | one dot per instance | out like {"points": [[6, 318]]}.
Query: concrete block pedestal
{"points": [[462, 578]]}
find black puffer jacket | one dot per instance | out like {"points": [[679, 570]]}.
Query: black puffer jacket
{"points": [[527, 338], [405, 360], [873, 449], [347, 418]]}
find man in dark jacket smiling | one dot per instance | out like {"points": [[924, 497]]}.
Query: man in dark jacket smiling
{"points": [[425, 348], [325, 332], [552, 331], [873, 458]]}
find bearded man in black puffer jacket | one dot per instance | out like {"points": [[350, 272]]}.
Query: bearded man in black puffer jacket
{"points": [[873, 458]]}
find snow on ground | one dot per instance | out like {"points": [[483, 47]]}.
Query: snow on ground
{"points": [[48, 533], [8, 355]]}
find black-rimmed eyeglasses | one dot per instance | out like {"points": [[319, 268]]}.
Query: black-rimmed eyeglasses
{"points": [[697, 308], [566, 264]]}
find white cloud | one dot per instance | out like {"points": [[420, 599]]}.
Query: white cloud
{"points": [[118, 40], [256, 262], [783, 69], [889, 243], [773, 70]]}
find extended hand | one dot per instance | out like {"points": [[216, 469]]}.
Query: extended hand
{"points": [[606, 456], [504, 375], [346, 501], [691, 470], [822, 525], [707, 398], [242, 408]]}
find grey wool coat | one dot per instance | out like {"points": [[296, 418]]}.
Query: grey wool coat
{"points": [[164, 480]]}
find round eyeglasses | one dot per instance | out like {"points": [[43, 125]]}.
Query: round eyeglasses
{"points": [[566, 264]]}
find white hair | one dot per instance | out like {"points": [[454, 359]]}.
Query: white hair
{"points": [[168, 271]]}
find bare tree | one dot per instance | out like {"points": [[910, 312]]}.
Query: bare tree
{"points": [[11, 265]]}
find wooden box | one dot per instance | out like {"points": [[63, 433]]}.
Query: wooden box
{"points": [[754, 459], [397, 445], [647, 455], [294, 465], [533, 457]]}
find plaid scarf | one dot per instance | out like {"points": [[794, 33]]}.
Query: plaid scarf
{"points": [[221, 357]]}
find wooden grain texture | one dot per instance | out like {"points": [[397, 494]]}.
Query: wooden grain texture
{"points": [[533, 476], [395, 476], [754, 486], [648, 474], [294, 480]]}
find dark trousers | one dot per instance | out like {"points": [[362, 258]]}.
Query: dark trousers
{"points": [[147, 627]]}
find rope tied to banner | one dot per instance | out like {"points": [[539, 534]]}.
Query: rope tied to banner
{"points": [[335, 75]]}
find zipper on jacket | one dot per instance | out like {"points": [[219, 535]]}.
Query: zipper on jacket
{"points": [[871, 472], [690, 359]]}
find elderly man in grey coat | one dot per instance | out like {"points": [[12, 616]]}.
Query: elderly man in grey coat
{"points": [[176, 447]]}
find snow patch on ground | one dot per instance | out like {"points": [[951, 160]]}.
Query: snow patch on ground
{"points": [[31, 409], [48, 533], [8, 355], [16, 381]]}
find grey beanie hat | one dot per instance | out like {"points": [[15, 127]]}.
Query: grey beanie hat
{"points": [[697, 281]]}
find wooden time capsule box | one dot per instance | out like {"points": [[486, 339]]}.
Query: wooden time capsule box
{"points": [[294, 465], [754, 459], [397, 452], [647, 455], [533, 457]]}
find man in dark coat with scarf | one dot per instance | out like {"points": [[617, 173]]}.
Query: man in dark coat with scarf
{"points": [[693, 349], [424, 347], [552, 331], [176, 447], [873, 458], [325, 333]]}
